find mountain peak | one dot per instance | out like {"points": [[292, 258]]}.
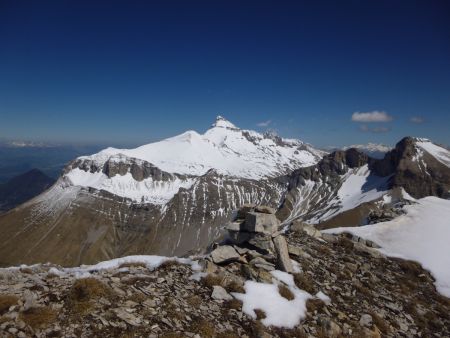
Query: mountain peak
{"points": [[222, 122]]}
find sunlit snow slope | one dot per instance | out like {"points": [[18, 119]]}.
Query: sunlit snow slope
{"points": [[224, 148], [422, 235]]}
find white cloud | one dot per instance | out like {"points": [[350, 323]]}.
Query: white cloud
{"points": [[416, 119], [264, 123], [373, 116]]}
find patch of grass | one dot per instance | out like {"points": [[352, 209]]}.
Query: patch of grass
{"points": [[305, 282], [345, 243], [233, 304], [84, 291], [314, 304], [203, 327], [133, 265], [194, 301], [234, 286], [212, 279], [380, 323], [410, 268], [6, 301], [285, 292], [88, 288], [260, 314], [38, 317]]}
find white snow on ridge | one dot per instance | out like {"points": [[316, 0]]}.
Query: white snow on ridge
{"points": [[422, 235], [147, 190], [358, 187], [224, 148], [439, 153]]}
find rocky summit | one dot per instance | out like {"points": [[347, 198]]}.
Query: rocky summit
{"points": [[318, 285]]}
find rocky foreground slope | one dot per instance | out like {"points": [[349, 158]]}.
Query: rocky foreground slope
{"points": [[339, 286]]}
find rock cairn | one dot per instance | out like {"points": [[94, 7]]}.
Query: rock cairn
{"points": [[257, 229]]}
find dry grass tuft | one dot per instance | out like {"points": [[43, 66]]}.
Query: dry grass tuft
{"points": [[6, 301], [194, 301], [212, 279], [260, 314], [305, 282], [234, 286], [314, 304], [203, 327], [380, 323], [88, 288], [83, 291], [346, 244], [285, 292], [38, 317], [233, 304]]}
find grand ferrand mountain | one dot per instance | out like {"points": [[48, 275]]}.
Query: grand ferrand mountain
{"points": [[173, 197]]}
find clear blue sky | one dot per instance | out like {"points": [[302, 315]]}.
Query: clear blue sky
{"points": [[136, 71]]}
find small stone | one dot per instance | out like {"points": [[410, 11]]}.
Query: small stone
{"points": [[365, 320], [219, 293], [224, 254]]}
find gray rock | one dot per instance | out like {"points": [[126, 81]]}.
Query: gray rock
{"points": [[263, 242], [262, 223], [127, 317], [239, 237], [365, 320], [219, 293], [265, 209], [234, 226], [224, 254], [281, 248], [261, 263]]}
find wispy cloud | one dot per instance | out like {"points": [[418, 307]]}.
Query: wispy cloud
{"points": [[376, 130], [417, 119], [373, 116], [264, 124]]}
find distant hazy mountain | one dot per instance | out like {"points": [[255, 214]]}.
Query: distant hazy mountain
{"points": [[23, 188], [372, 149], [17, 157]]}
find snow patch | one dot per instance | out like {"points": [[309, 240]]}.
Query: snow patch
{"points": [[279, 311], [422, 235]]}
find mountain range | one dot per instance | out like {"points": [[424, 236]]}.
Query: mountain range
{"points": [[173, 197]]}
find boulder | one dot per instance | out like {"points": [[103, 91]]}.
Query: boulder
{"points": [[261, 223], [224, 254], [310, 230], [283, 261]]}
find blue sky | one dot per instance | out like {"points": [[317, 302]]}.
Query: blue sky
{"points": [[130, 72]]}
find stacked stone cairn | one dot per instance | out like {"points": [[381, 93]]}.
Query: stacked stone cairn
{"points": [[255, 229]]}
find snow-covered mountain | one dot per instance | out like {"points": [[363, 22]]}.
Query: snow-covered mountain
{"points": [[167, 197], [224, 148], [173, 197], [344, 186]]}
